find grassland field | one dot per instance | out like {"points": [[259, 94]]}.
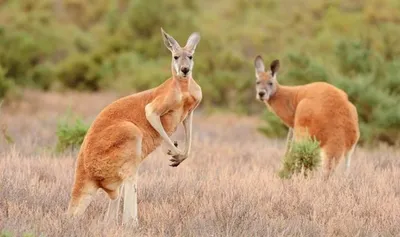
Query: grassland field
{"points": [[228, 187]]}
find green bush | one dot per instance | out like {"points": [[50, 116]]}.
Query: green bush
{"points": [[301, 69], [129, 70], [43, 75], [9, 234], [18, 52], [79, 72], [27, 41], [144, 21], [4, 233], [70, 135], [354, 57], [303, 158], [6, 84]]}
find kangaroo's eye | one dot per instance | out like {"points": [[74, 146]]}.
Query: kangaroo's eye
{"points": [[258, 83], [270, 83], [190, 57], [176, 57]]}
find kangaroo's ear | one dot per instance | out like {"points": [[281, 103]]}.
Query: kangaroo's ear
{"points": [[274, 67], [259, 65], [192, 41], [170, 42]]}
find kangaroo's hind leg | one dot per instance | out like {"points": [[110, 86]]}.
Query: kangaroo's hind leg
{"points": [[81, 196], [128, 156], [130, 212], [330, 157], [347, 157], [113, 207]]}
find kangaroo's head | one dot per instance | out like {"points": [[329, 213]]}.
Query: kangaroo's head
{"points": [[266, 83], [182, 58]]}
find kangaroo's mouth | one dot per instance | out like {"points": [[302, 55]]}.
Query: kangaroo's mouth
{"points": [[182, 74], [186, 75], [263, 96]]}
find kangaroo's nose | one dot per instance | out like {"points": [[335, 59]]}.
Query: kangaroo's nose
{"points": [[185, 70], [261, 93]]}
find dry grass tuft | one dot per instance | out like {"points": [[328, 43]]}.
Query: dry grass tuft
{"points": [[229, 187]]}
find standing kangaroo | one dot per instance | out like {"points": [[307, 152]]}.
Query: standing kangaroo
{"points": [[317, 109], [129, 129]]}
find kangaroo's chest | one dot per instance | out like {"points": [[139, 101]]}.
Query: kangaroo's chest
{"points": [[188, 102]]}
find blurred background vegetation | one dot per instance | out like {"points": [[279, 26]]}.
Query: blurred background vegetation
{"points": [[99, 45]]}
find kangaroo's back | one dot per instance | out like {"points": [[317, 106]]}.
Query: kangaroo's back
{"points": [[326, 111]]}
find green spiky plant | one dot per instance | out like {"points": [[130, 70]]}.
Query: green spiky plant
{"points": [[303, 158], [4, 233], [70, 134]]}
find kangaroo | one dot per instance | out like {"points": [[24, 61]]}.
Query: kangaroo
{"points": [[129, 129], [317, 109]]}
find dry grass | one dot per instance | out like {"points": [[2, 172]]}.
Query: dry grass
{"points": [[228, 187]]}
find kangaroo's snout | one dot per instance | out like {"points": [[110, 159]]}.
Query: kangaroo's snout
{"points": [[185, 70], [261, 94]]}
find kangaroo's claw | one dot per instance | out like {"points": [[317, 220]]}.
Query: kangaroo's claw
{"points": [[176, 160], [175, 164]]}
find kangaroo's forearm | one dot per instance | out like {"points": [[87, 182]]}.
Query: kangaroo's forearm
{"points": [[187, 125], [155, 122]]}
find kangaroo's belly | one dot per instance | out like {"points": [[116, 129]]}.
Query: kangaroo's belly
{"points": [[172, 119], [175, 116]]}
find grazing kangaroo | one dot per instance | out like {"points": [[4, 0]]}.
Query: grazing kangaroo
{"points": [[129, 129], [316, 109]]}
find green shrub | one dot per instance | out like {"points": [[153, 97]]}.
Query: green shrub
{"points": [[354, 57], [304, 157], [4, 233], [391, 79], [27, 234], [144, 20], [7, 85], [43, 75], [70, 135], [128, 70], [26, 41], [301, 69], [18, 53], [79, 72]]}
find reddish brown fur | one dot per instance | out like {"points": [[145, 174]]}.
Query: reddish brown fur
{"points": [[320, 109], [110, 141], [121, 137]]}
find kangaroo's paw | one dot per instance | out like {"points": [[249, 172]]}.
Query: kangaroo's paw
{"points": [[177, 159]]}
